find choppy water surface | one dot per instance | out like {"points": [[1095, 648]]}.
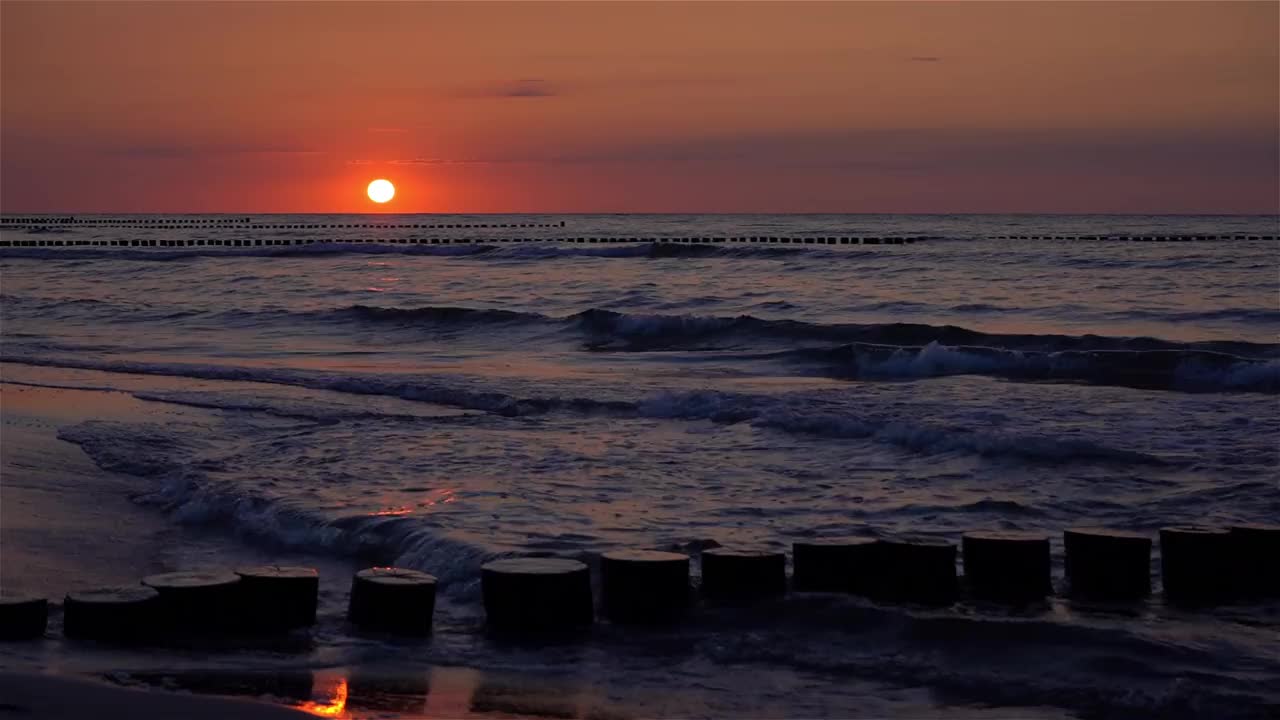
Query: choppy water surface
{"points": [[437, 406]]}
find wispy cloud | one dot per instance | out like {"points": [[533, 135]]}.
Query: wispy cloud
{"points": [[532, 87], [440, 161], [924, 58], [522, 88], [422, 161], [190, 150]]}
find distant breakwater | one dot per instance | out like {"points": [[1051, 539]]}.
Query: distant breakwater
{"points": [[393, 233]]}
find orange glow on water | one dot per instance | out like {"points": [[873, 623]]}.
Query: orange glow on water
{"points": [[336, 704], [443, 496]]}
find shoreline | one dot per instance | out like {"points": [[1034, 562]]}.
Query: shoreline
{"points": [[55, 697]]}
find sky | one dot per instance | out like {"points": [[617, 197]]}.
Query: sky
{"points": [[947, 107]]}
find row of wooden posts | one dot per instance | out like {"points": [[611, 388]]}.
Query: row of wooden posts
{"points": [[291, 241], [1200, 566], [243, 224], [416, 240], [1141, 237]]}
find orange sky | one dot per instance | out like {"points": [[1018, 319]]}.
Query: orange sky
{"points": [[640, 107]]}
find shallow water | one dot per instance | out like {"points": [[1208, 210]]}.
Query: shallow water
{"points": [[436, 407]]}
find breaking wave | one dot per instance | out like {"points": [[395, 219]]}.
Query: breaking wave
{"points": [[884, 351], [187, 493], [764, 412]]}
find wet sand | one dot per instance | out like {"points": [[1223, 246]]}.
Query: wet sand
{"points": [[65, 524], [49, 697]]}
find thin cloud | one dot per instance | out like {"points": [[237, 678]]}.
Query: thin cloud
{"points": [[924, 58], [174, 150], [421, 161], [528, 87], [440, 161], [522, 88]]}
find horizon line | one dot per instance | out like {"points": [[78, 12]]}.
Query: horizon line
{"points": [[68, 213]]}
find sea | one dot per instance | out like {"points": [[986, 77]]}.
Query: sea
{"points": [[434, 407]]}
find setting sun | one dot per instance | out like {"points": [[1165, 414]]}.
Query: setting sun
{"points": [[381, 190]]}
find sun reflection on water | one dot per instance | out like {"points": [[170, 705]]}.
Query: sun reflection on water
{"points": [[443, 496], [335, 706]]}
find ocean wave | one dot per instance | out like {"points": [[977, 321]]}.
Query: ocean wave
{"points": [[185, 490], [911, 351], [671, 330], [321, 413], [400, 541], [1000, 508], [891, 351], [1187, 370], [80, 309], [451, 394], [614, 330], [1260, 316], [764, 412], [438, 315], [622, 331]]}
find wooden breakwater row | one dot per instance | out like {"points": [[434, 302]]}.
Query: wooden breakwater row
{"points": [[248, 223], [1142, 237], [487, 239], [417, 240], [216, 223], [1200, 566]]}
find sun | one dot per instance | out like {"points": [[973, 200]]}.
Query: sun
{"points": [[381, 191]]}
